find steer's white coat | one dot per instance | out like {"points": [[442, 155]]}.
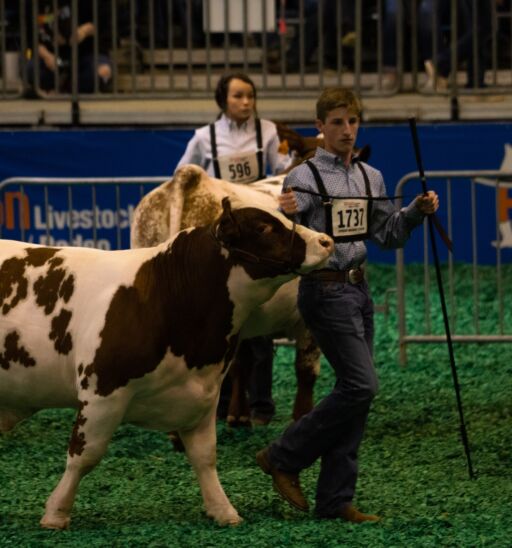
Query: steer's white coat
{"points": [[170, 397]]}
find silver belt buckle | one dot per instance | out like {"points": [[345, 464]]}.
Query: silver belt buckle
{"points": [[354, 275]]}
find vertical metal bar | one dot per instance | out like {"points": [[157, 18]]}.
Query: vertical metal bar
{"points": [[400, 305], [226, 33], [358, 45], [475, 45], [321, 46], [70, 213], [115, 51], [451, 272], [133, 46], [170, 40], [47, 213], [426, 280], [414, 37], [264, 46], [151, 25], [400, 42], [23, 44], [3, 42], [22, 213], [189, 45], [453, 51], [400, 290], [339, 47], [435, 32], [475, 277], [95, 22], [118, 223], [94, 216], [245, 34], [494, 43], [302, 46], [35, 49], [55, 43], [380, 41], [510, 34], [499, 281], [74, 51], [206, 18]]}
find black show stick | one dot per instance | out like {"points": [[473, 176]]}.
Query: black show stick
{"points": [[414, 133]]}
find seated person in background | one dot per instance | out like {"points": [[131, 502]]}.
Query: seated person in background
{"points": [[329, 32], [474, 31], [241, 148], [55, 42]]}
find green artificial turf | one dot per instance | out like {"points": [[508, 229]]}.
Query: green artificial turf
{"points": [[412, 464]]}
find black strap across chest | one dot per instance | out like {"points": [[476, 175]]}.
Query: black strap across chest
{"points": [[327, 201], [259, 150]]}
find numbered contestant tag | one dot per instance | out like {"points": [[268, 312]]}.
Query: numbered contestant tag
{"points": [[239, 168], [349, 218]]}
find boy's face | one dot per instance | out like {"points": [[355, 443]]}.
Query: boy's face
{"points": [[340, 131]]}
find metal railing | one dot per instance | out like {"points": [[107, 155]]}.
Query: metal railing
{"points": [[178, 48], [489, 305]]}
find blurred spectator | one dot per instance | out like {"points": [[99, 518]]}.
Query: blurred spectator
{"points": [[474, 31], [426, 11], [55, 42], [311, 36]]}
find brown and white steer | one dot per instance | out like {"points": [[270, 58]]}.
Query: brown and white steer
{"points": [[115, 335], [193, 198]]}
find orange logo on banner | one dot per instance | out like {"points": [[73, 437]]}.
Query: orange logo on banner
{"points": [[16, 205], [504, 205]]}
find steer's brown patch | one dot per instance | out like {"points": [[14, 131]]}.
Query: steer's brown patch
{"points": [[14, 352], [59, 334], [179, 301], [12, 275], [38, 256], [52, 285], [77, 441]]}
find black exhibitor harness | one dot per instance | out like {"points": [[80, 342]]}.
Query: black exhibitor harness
{"points": [[240, 167], [347, 218]]}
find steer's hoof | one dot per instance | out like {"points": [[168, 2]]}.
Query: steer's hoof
{"points": [[55, 522], [239, 422], [229, 521]]}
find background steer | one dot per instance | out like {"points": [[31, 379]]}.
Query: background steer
{"points": [[115, 334], [193, 198]]}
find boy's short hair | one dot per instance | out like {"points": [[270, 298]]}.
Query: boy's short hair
{"points": [[332, 98], [221, 91]]}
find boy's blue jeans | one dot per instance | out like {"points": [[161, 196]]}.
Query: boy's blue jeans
{"points": [[340, 316]]}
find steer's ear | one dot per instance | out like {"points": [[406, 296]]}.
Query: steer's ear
{"points": [[228, 230]]}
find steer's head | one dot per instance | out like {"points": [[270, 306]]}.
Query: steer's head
{"points": [[267, 244]]}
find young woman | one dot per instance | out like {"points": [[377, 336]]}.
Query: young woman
{"points": [[238, 147], [241, 148]]}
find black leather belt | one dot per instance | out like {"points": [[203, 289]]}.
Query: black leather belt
{"points": [[351, 275]]}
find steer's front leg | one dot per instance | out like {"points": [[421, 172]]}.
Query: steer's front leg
{"points": [[200, 446], [96, 421]]}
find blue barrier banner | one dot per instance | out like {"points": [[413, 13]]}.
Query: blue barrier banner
{"points": [[77, 219]]}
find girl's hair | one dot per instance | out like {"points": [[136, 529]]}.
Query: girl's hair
{"points": [[332, 98], [221, 91]]}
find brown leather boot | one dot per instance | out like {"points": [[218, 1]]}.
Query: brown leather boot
{"points": [[285, 484], [352, 514]]}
